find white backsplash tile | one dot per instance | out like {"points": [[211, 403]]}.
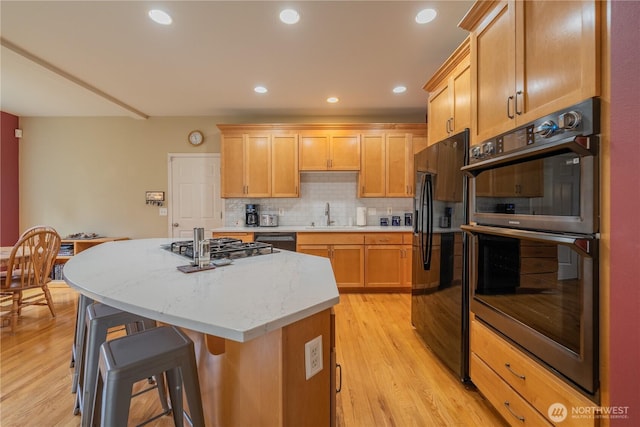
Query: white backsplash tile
{"points": [[339, 189]]}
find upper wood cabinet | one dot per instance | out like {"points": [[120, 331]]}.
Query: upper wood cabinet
{"points": [[449, 109], [529, 59], [387, 163], [325, 151], [246, 165], [285, 176]]}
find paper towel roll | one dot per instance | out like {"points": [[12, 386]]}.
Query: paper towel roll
{"points": [[361, 216]]}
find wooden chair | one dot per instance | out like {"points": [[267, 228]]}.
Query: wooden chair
{"points": [[29, 267]]}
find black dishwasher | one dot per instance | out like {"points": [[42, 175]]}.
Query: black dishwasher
{"points": [[279, 240]]}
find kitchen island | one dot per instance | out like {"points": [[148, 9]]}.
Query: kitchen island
{"points": [[249, 320]]}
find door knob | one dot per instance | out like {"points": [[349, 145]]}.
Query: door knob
{"points": [[175, 224]]}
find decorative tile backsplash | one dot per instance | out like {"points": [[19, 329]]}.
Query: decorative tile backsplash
{"points": [[339, 189]]}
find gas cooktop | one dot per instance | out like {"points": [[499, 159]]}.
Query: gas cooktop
{"points": [[223, 247]]}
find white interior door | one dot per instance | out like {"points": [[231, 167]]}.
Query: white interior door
{"points": [[194, 199]]}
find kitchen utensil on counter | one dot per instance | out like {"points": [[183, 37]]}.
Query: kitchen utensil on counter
{"points": [[395, 220], [198, 236], [384, 221], [268, 220], [252, 215], [361, 216]]}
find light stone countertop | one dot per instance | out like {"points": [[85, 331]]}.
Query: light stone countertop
{"points": [[241, 301]]}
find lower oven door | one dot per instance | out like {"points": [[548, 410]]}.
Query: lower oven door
{"points": [[539, 290]]}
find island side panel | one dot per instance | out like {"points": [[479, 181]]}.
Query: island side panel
{"points": [[308, 402]]}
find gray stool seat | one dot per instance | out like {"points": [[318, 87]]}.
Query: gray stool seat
{"points": [[125, 360], [99, 319]]}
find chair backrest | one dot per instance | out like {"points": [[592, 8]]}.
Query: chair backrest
{"points": [[32, 258], [37, 227]]}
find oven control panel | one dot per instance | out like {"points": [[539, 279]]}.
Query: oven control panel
{"points": [[578, 120]]}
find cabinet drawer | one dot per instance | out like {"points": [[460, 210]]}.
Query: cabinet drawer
{"points": [[244, 236], [322, 238], [533, 382], [383, 239], [513, 408]]}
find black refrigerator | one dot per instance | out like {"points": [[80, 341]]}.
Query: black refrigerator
{"points": [[440, 290]]}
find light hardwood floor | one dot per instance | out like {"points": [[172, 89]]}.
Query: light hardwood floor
{"points": [[389, 377]]}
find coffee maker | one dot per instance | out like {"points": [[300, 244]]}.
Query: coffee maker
{"points": [[252, 215]]}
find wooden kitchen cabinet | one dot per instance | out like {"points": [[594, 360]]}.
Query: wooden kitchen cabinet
{"points": [[345, 250], [530, 59], [386, 166], [449, 105], [329, 151], [503, 373], [387, 261], [243, 236], [285, 175], [246, 165]]}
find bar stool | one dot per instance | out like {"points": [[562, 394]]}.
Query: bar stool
{"points": [[99, 319], [78, 339], [126, 360]]}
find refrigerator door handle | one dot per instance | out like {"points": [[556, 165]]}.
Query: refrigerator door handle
{"points": [[427, 235]]}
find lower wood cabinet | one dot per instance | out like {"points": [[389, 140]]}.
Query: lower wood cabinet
{"points": [[243, 236], [520, 388], [363, 261]]}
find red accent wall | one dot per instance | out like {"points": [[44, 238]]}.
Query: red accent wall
{"points": [[625, 207], [9, 211]]}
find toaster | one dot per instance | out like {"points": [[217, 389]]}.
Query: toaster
{"points": [[268, 220]]}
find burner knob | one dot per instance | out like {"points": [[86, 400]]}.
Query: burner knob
{"points": [[488, 149], [570, 120], [547, 128], [475, 152]]}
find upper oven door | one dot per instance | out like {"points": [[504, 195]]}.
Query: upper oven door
{"points": [[554, 192]]}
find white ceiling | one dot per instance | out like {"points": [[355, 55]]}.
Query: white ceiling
{"points": [[106, 58]]}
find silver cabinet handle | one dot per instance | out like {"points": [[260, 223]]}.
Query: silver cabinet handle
{"points": [[518, 110], [519, 417], [511, 116], [508, 366]]}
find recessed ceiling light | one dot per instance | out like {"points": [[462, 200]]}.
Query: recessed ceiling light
{"points": [[260, 89], [160, 16], [332, 100], [289, 16], [426, 15], [399, 89]]}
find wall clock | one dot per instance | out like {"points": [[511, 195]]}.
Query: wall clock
{"points": [[196, 137]]}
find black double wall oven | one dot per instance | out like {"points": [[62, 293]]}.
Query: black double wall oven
{"points": [[533, 240]]}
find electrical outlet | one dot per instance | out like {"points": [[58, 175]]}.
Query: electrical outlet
{"points": [[389, 211], [313, 356], [280, 211]]}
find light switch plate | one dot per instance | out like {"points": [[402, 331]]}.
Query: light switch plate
{"points": [[163, 212]]}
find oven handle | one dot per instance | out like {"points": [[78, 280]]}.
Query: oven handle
{"points": [[585, 245], [581, 145]]}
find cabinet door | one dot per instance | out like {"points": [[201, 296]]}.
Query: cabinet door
{"points": [[285, 177], [461, 99], [493, 51], [557, 62], [399, 166], [407, 264], [372, 172], [348, 265], [317, 250], [439, 113], [344, 152], [232, 166], [314, 151], [384, 266], [258, 165]]}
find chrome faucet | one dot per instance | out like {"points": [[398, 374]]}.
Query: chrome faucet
{"points": [[327, 213]]}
